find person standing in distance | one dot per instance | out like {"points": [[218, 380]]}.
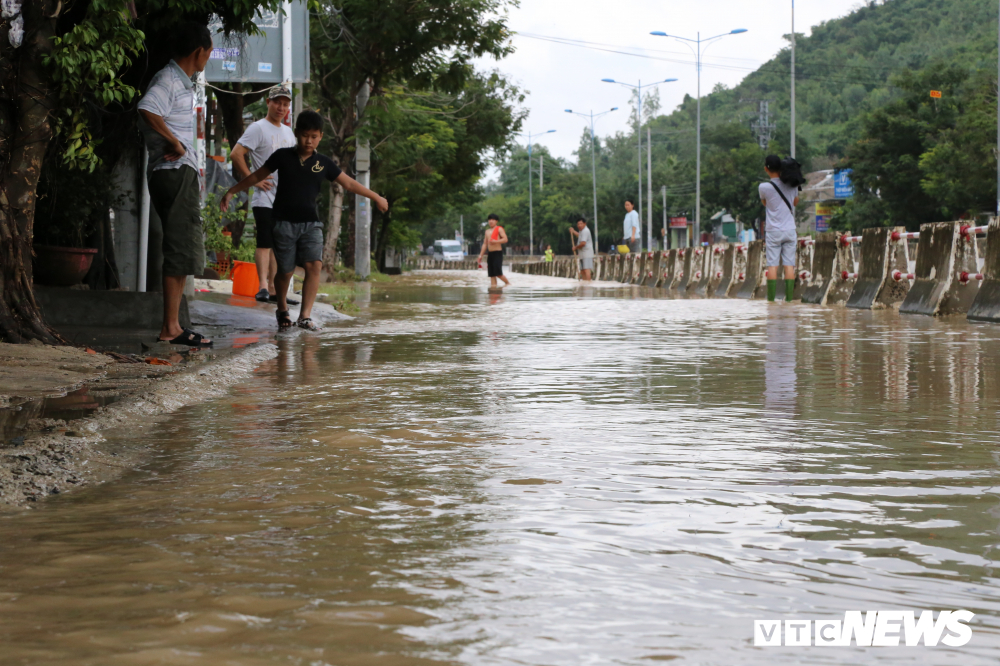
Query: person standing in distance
{"points": [[493, 244], [633, 232], [780, 200], [260, 140], [173, 175], [584, 248]]}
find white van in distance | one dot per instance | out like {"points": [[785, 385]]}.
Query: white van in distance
{"points": [[448, 250]]}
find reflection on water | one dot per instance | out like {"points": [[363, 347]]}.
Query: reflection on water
{"points": [[557, 475]]}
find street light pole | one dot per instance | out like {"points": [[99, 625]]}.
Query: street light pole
{"points": [[698, 53], [531, 204], [638, 130], [793, 79], [593, 164]]}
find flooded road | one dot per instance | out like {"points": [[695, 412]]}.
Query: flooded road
{"points": [[557, 475]]}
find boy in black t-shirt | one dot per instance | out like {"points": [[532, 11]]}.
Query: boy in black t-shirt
{"points": [[298, 233]]}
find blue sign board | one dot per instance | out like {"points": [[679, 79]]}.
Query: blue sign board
{"points": [[843, 188]]}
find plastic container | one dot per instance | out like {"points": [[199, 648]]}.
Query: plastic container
{"points": [[245, 282]]}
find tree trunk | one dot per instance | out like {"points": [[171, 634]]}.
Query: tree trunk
{"points": [[25, 132], [348, 254], [333, 229], [231, 106], [382, 241]]}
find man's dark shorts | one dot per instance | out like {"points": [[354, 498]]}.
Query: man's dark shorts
{"points": [[176, 196], [296, 244], [494, 263], [264, 227]]}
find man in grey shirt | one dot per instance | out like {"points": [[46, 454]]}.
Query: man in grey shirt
{"points": [[174, 188], [584, 248]]}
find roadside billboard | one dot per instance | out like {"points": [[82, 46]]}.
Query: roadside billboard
{"points": [[258, 59]]}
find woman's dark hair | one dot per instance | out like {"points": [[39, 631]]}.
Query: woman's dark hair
{"points": [[493, 216], [631, 202], [189, 36], [309, 120], [772, 163]]}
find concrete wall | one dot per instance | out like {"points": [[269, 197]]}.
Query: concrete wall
{"points": [[986, 306]]}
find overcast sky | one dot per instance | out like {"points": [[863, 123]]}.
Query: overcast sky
{"points": [[559, 77]]}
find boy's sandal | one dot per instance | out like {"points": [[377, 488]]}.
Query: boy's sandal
{"points": [[284, 320], [190, 338], [307, 324]]}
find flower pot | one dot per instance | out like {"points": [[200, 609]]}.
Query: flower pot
{"points": [[61, 266]]}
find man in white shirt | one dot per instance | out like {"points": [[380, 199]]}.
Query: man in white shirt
{"points": [[258, 141], [175, 231], [633, 232], [584, 248]]}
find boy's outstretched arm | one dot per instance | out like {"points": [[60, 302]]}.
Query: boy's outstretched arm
{"points": [[244, 185], [355, 187]]}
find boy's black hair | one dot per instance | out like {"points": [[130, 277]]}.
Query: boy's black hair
{"points": [[307, 121], [189, 36], [492, 216], [580, 218], [772, 163], [631, 202]]}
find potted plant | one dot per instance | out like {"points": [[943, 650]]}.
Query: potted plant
{"points": [[70, 208]]}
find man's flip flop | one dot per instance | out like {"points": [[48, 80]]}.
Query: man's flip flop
{"points": [[290, 301], [284, 321], [190, 338], [307, 324]]}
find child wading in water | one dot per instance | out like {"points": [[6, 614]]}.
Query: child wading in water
{"points": [[298, 233]]}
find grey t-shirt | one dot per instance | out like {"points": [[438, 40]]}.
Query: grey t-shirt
{"points": [[261, 139], [779, 216], [587, 251]]}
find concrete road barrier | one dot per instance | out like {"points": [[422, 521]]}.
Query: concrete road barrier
{"points": [[754, 269], [943, 257], [695, 268], [650, 275], [665, 272], [881, 256], [712, 275], [804, 252], [825, 269], [733, 267], [639, 268], [986, 306], [682, 264]]}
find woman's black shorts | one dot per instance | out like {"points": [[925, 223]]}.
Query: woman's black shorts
{"points": [[494, 263]]}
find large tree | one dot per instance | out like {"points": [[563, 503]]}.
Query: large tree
{"points": [[77, 65], [426, 44]]}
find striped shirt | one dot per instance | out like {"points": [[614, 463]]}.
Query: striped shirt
{"points": [[170, 96]]}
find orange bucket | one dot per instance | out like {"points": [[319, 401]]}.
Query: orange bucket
{"points": [[245, 282]]}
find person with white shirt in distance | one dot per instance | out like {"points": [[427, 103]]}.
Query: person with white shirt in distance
{"points": [[584, 248], [259, 141], [632, 235]]}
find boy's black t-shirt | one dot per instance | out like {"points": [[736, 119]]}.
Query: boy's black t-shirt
{"points": [[298, 187]]}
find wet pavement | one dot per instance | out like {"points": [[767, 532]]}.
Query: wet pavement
{"points": [[555, 475]]}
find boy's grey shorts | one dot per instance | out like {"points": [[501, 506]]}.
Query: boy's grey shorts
{"points": [[781, 247], [297, 243]]}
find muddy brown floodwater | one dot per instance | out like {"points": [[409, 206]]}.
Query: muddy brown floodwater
{"points": [[557, 475]]}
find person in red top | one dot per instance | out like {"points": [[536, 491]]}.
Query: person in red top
{"points": [[493, 242]]}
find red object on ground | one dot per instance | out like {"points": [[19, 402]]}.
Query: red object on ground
{"points": [[245, 281]]}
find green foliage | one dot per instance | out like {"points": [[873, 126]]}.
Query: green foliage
{"points": [[95, 48], [71, 205], [920, 159], [213, 220], [85, 64]]}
